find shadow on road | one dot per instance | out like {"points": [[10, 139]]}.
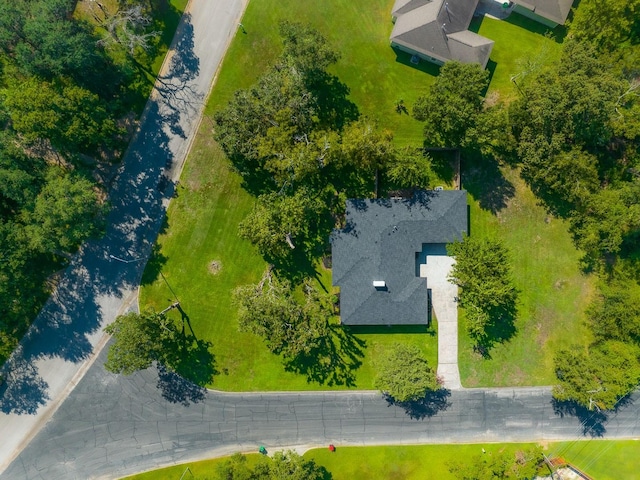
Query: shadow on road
{"points": [[428, 406], [593, 422], [23, 391], [176, 389], [95, 284]]}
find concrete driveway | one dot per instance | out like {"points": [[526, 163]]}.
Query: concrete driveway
{"points": [[443, 299]]}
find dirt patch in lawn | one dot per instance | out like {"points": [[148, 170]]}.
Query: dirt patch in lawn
{"points": [[214, 267]]}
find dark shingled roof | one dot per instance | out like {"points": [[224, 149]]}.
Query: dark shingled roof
{"points": [[381, 241], [438, 29]]}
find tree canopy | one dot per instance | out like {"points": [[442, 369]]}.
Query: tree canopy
{"points": [[270, 310], [482, 270], [453, 104], [143, 338], [286, 465], [139, 340], [279, 223], [404, 374], [598, 376]]}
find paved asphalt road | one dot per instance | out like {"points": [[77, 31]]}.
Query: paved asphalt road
{"points": [[112, 425], [102, 279], [109, 426]]}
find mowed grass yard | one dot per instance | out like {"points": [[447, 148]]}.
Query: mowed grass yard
{"points": [[202, 221], [601, 459], [553, 290]]}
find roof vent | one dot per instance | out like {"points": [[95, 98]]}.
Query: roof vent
{"points": [[379, 284]]}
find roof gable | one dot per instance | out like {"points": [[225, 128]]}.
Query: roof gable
{"points": [[434, 29], [555, 10], [381, 242]]}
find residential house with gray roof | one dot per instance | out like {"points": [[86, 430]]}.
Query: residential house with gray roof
{"points": [[548, 12], [437, 31], [377, 255]]}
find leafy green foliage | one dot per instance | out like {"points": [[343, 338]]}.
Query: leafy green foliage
{"points": [[280, 223], [271, 311], [607, 25], [411, 168], [610, 221], [279, 99], [305, 49], [615, 313], [404, 374], [71, 117], [65, 213], [283, 466], [482, 271], [453, 104], [499, 465], [365, 147], [143, 338], [139, 340], [45, 41], [599, 376]]}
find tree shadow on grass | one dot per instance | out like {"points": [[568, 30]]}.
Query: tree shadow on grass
{"points": [[433, 403], [442, 163], [335, 110], [334, 361], [500, 329], [188, 366], [484, 180], [154, 266]]}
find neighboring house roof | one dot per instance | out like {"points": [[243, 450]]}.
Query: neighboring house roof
{"points": [[438, 29], [381, 241], [555, 10]]}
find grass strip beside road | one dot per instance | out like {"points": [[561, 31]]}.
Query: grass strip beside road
{"points": [[601, 459]]}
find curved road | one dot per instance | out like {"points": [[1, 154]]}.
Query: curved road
{"points": [[102, 280], [103, 426], [111, 425]]}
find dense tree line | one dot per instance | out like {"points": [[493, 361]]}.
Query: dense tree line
{"points": [[574, 133], [301, 147], [63, 92]]}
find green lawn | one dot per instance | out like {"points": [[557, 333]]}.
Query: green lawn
{"points": [[377, 78], [601, 459], [202, 220], [201, 228], [553, 291], [520, 43], [200, 470]]}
